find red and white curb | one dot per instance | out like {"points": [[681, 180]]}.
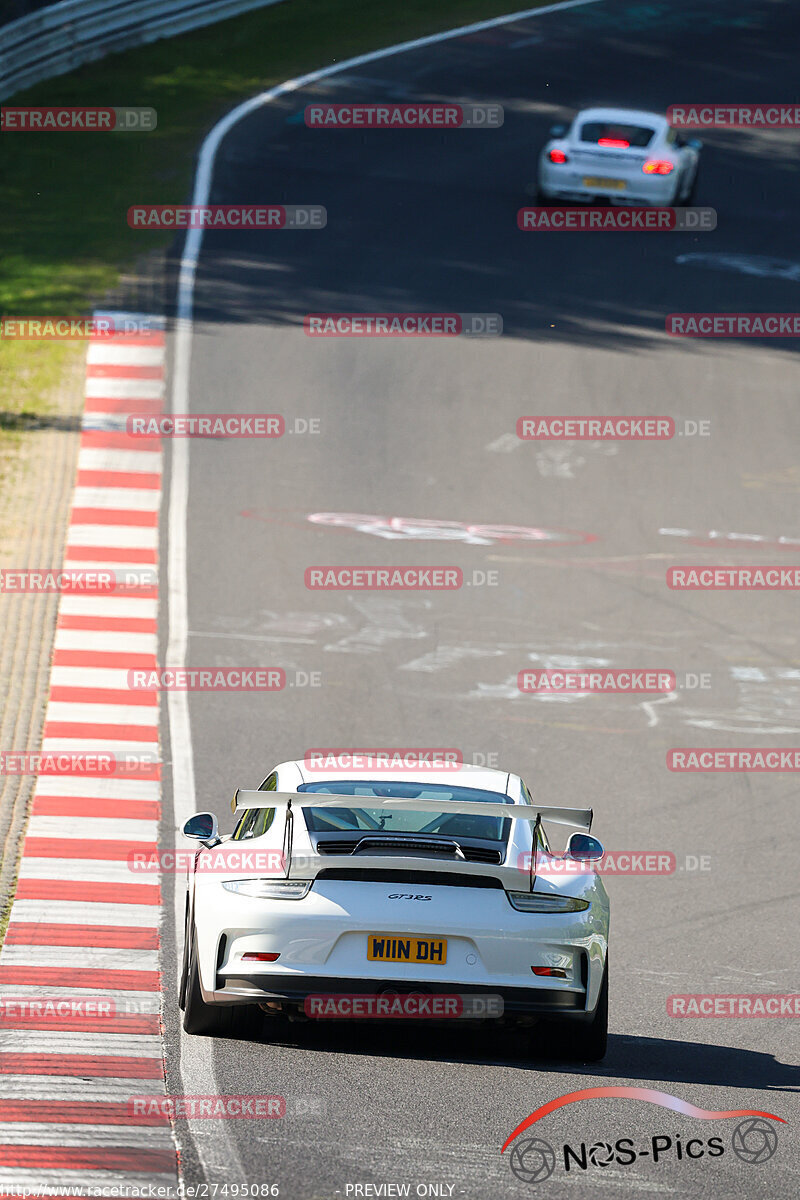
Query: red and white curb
{"points": [[83, 925]]}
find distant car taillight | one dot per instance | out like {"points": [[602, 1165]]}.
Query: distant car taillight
{"points": [[557, 156], [657, 166], [614, 143]]}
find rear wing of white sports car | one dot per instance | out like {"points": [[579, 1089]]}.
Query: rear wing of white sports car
{"points": [[363, 860], [576, 818]]}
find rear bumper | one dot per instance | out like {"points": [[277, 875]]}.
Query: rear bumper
{"points": [[517, 1001], [322, 945], [640, 189], [628, 198]]}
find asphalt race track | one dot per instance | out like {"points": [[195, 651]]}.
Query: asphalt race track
{"points": [[418, 428]]}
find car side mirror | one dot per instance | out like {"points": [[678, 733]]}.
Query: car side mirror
{"points": [[584, 848], [694, 143], [557, 131], [203, 827]]}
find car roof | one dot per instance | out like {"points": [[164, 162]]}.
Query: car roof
{"points": [[626, 115], [486, 778]]}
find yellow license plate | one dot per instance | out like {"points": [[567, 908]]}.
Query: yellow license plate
{"points": [[388, 947], [616, 185]]}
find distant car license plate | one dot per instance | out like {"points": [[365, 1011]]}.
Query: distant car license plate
{"points": [[383, 947], [617, 185]]}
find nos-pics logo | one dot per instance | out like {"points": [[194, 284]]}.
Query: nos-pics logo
{"points": [[532, 1159]]}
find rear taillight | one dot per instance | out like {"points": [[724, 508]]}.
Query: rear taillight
{"points": [[550, 972], [546, 902], [614, 143], [269, 889], [657, 166], [557, 156], [251, 956]]}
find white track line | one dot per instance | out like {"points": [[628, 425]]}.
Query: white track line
{"points": [[84, 870], [111, 714], [92, 458], [97, 958], [122, 537], [103, 1089], [99, 828], [102, 639], [155, 1137], [75, 912], [101, 354], [99, 788], [130, 1002], [109, 387], [142, 499]]}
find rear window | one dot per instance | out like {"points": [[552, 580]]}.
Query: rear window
{"points": [[619, 137], [355, 815]]}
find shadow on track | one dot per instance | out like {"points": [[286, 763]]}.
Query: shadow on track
{"points": [[632, 1058]]}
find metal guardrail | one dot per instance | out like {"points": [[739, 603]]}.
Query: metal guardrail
{"points": [[63, 36]]}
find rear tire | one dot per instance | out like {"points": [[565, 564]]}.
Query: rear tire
{"points": [[185, 962], [588, 1042], [681, 201], [213, 1020], [691, 195], [584, 1042]]}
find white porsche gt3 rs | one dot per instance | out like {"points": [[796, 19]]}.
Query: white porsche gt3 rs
{"points": [[423, 883], [619, 155]]}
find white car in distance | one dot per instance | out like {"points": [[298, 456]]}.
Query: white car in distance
{"points": [[621, 156]]}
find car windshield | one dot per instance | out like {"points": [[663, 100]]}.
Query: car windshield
{"points": [[613, 136], [365, 820]]}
